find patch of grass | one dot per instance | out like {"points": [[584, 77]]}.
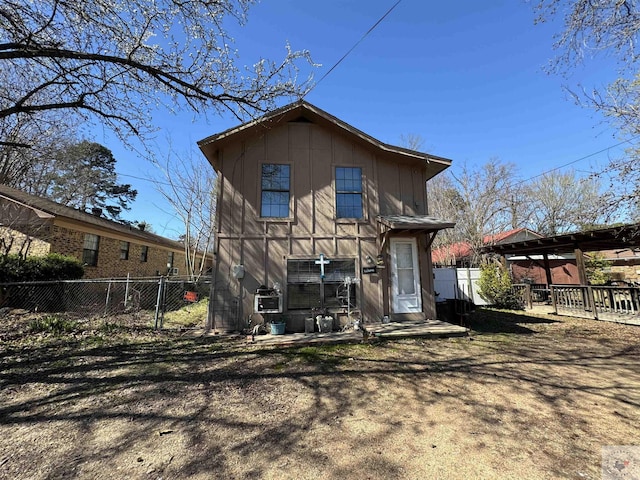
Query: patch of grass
{"points": [[52, 324], [110, 327], [188, 316]]}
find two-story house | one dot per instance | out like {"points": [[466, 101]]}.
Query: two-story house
{"points": [[334, 217]]}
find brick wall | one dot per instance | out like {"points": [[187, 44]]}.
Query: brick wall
{"points": [[71, 242], [630, 273], [18, 242]]}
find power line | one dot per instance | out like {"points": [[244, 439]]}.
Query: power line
{"points": [[577, 160], [155, 182], [354, 46]]}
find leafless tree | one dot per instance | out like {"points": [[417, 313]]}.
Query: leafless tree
{"points": [[116, 60], [477, 198], [608, 28], [29, 147], [445, 202], [189, 185], [412, 141], [562, 202]]}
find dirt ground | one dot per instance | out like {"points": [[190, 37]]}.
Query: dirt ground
{"points": [[522, 397]]}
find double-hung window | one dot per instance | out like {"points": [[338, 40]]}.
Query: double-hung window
{"points": [[275, 185], [90, 249], [124, 250], [306, 289], [349, 192]]}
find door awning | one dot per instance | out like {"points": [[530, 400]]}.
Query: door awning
{"points": [[409, 223], [424, 223]]}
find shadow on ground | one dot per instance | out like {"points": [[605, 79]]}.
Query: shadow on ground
{"points": [[196, 407], [484, 320]]}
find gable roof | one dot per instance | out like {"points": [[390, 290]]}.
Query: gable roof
{"points": [[460, 250], [306, 111], [46, 208]]}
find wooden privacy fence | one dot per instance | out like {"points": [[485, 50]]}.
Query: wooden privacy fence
{"points": [[615, 304]]}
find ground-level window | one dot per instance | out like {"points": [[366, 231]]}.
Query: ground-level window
{"points": [[275, 190], [144, 253], [124, 250], [306, 289], [90, 249]]}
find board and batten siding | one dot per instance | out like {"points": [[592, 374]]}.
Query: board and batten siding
{"points": [[263, 246]]}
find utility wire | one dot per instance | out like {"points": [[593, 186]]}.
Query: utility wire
{"points": [[577, 160], [353, 47]]}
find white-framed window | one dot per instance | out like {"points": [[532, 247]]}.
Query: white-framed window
{"points": [[349, 192], [306, 289], [90, 249], [275, 185]]}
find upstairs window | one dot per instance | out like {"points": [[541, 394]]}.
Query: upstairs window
{"points": [[124, 250], [144, 253], [90, 249], [349, 192], [275, 190]]}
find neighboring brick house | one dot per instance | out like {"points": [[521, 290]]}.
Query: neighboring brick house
{"points": [[36, 226], [311, 203]]}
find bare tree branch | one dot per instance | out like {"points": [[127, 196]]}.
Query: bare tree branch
{"points": [[116, 59]]}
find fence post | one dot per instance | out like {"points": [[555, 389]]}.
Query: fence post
{"points": [[553, 299], [528, 293], [164, 302], [126, 292], [158, 298], [106, 305], [592, 301]]}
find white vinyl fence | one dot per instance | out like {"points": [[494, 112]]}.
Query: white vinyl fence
{"points": [[458, 284]]}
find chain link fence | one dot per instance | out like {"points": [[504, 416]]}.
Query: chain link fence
{"points": [[159, 302]]}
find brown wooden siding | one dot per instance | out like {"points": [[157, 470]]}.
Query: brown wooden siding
{"points": [[263, 246]]}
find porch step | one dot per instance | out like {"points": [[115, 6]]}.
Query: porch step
{"points": [[408, 317], [422, 328]]}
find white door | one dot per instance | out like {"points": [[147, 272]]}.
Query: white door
{"points": [[406, 294]]}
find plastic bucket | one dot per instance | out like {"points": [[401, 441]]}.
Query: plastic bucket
{"points": [[278, 328]]}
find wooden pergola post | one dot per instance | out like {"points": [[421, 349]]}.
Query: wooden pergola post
{"points": [[582, 272], [587, 296], [547, 269]]}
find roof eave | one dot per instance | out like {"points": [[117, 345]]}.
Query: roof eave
{"points": [[207, 145]]}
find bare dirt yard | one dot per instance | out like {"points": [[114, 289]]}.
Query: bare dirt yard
{"points": [[522, 397]]}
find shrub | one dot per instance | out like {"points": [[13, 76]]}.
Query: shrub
{"points": [[598, 268], [496, 287], [53, 266]]}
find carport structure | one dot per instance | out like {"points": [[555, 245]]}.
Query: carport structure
{"points": [[606, 303]]}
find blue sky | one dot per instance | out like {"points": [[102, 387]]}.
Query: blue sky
{"points": [[466, 76]]}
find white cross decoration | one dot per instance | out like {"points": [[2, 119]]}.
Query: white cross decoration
{"points": [[322, 262]]}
